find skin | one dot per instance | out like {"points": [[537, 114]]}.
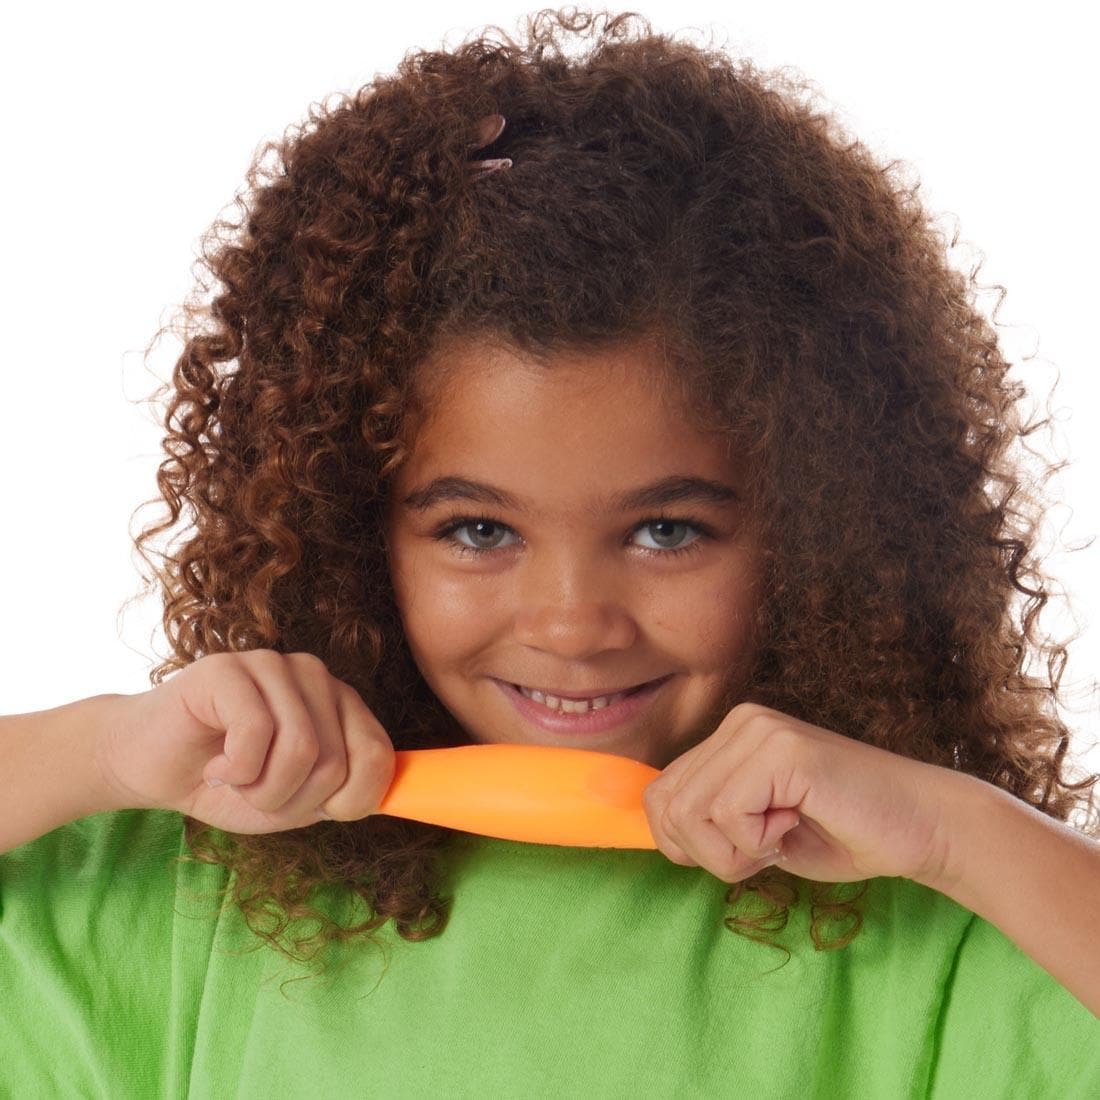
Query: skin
{"points": [[570, 597], [565, 592]]}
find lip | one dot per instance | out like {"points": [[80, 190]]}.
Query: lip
{"points": [[592, 721]]}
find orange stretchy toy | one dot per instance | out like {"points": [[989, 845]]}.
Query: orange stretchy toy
{"points": [[537, 793]]}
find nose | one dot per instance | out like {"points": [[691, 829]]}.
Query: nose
{"points": [[571, 608]]}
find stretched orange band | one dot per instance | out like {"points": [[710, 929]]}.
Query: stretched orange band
{"points": [[538, 793]]}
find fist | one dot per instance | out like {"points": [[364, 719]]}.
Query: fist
{"points": [[766, 788], [255, 742]]}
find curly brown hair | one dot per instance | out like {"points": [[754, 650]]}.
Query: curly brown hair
{"points": [[807, 302]]}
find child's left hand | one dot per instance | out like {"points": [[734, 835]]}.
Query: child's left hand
{"points": [[839, 810]]}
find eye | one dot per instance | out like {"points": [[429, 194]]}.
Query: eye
{"points": [[668, 533], [669, 536], [485, 534]]}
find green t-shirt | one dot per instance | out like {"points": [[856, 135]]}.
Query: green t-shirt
{"points": [[563, 972]]}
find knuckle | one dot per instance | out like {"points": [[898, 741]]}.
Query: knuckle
{"points": [[211, 668], [305, 748], [332, 773], [750, 711], [308, 662], [355, 801], [380, 758], [260, 653], [677, 813], [225, 657], [759, 720], [357, 708], [367, 775], [260, 659]]}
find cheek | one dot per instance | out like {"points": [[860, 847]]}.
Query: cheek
{"points": [[444, 614], [717, 621]]}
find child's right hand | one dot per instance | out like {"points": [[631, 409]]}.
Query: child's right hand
{"points": [[290, 742]]}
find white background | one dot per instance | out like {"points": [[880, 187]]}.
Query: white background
{"points": [[128, 129]]}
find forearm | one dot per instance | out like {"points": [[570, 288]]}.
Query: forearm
{"points": [[48, 770], [1034, 878]]}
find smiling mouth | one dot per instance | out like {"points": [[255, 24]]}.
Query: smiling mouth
{"points": [[579, 704]]}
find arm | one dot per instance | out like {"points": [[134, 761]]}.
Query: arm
{"points": [[48, 770], [1034, 878]]}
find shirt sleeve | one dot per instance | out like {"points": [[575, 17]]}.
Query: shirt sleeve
{"points": [[87, 922], [1008, 1028]]}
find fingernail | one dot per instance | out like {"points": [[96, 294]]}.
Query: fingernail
{"points": [[215, 782]]}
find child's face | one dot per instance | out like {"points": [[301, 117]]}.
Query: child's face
{"points": [[563, 588]]}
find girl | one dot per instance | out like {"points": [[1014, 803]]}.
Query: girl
{"points": [[607, 401]]}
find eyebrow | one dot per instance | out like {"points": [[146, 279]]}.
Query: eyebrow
{"points": [[676, 489]]}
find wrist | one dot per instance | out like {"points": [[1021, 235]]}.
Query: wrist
{"points": [[108, 716], [968, 809], [50, 771]]}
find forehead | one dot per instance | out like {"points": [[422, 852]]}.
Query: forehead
{"points": [[459, 366], [564, 424]]}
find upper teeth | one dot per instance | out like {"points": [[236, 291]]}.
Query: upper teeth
{"points": [[572, 706]]}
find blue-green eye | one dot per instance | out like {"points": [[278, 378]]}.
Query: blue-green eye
{"points": [[486, 534], [668, 533]]}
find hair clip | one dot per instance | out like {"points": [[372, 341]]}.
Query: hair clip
{"points": [[488, 130]]}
